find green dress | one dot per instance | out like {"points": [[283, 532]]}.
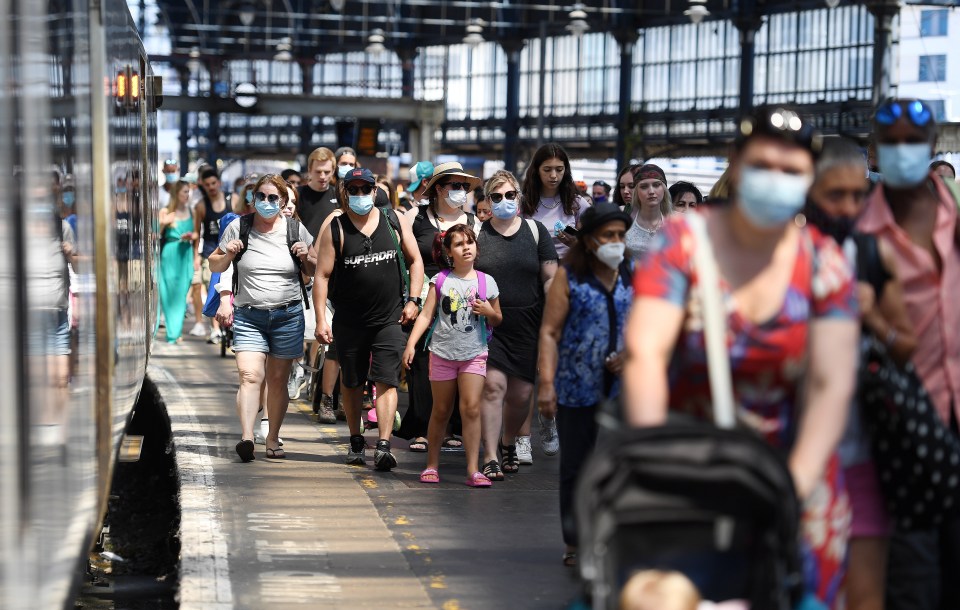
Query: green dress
{"points": [[176, 272]]}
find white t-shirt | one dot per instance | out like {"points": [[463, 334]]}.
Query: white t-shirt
{"points": [[554, 219], [457, 333]]}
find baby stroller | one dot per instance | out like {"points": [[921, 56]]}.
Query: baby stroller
{"points": [[715, 503]]}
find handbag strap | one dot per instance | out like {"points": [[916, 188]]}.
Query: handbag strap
{"points": [[714, 323]]}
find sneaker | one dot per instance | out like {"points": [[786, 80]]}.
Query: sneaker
{"points": [[326, 415], [383, 460], [549, 440], [198, 330], [264, 429], [293, 383], [358, 450], [214, 337], [524, 450]]}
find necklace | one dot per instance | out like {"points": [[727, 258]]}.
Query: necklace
{"points": [[556, 202], [636, 221]]}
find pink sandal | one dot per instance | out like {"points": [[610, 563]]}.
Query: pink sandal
{"points": [[430, 475], [478, 479]]}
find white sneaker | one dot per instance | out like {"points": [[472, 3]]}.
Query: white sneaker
{"points": [[214, 336], [260, 433], [549, 439], [198, 330], [524, 450]]}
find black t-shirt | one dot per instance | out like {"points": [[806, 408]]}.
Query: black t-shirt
{"points": [[514, 262], [314, 207], [368, 288], [425, 229]]}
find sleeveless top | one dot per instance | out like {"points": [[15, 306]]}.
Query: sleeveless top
{"points": [[593, 329], [211, 225], [425, 231], [367, 286]]}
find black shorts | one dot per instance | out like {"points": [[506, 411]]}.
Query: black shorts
{"points": [[369, 353]]}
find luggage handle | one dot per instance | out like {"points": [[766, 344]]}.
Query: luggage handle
{"points": [[714, 323]]}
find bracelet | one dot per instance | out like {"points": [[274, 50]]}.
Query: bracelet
{"points": [[891, 337]]}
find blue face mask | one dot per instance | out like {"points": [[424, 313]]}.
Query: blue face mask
{"points": [[170, 178], [770, 198], [249, 197], [121, 190], [600, 199], [267, 210], [361, 204], [69, 198], [343, 170], [506, 209], [903, 165]]}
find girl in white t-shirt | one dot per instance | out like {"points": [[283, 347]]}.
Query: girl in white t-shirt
{"points": [[461, 306], [550, 196]]}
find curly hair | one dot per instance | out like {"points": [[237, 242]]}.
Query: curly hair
{"points": [[443, 239]]}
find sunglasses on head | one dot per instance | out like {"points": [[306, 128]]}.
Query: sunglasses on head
{"points": [[170, 162], [890, 112], [366, 189], [268, 198], [456, 186], [509, 195]]}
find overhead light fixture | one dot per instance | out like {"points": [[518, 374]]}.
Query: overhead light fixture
{"points": [[245, 94], [578, 20], [474, 35], [697, 11], [832, 3], [337, 5], [193, 64], [283, 49], [248, 12], [375, 42]]}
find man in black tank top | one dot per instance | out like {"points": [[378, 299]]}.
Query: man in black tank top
{"points": [[359, 268], [206, 225]]}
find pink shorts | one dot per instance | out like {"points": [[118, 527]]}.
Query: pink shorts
{"points": [[870, 518], [442, 369]]}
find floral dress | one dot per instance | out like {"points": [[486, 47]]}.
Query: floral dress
{"points": [[768, 363]]}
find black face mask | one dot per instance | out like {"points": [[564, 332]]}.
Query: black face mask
{"points": [[839, 228]]}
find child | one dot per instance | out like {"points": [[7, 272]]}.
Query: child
{"points": [[483, 206], [466, 304]]}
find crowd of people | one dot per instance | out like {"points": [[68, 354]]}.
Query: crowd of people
{"points": [[495, 300]]}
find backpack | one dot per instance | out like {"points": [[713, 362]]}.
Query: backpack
{"points": [[293, 236], [485, 331], [396, 234]]}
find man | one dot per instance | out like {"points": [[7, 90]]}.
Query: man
{"points": [[171, 174], [916, 214], [420, 174], [600, 191], [317, 199], [371, 302], [206, 224], [293, 178]]}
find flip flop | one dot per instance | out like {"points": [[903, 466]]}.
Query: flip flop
{"points": [[245, 450], [276, 454], [430, 475], [453, 442], [419, 446], [478, 479]]}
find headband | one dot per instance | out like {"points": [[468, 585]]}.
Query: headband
{"points": [[650, 172]]}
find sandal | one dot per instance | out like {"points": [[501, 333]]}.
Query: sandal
{"points": [[492, 471], [453, 442], [509, 461], [245, 450], [276, 454], [419, 446], [570, 559], [478, 479], [430, 475]]}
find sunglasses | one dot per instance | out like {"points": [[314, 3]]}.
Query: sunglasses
{"points": [[509, 195], [890, 112], [366, 189], [170, 162], [456, 186], [268, 198], [782, 123]]}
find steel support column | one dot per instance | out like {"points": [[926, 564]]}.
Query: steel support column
{"points": [[306, 121], [883, 13], [408, 56], [512, 122], [748, 22], [184, 122], [627, 39]]}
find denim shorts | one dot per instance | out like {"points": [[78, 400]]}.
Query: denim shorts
{"points": [[278, 332]]}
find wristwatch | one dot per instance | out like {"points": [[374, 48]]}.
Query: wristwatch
{"points": [[416, 301]]}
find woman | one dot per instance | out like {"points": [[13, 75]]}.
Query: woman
{"points": [[517, 252], [685, 196], [176, 259], [447, 191], [837, 198], [648, 209], [384, 184], [623, 195], [243, 202], [581, 356], [551, 197], [792, 327], [268, 319]]}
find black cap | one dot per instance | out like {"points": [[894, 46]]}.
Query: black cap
{"points": [[600, 214]]}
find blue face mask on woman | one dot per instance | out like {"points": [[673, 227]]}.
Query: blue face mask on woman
{"points": [[361, 204], [266, 209], [343, 170], [506, 209], [770, 198], [249, 196]]}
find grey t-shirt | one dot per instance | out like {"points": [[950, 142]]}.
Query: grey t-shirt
{"points": [[457, 334], [268, 276]]}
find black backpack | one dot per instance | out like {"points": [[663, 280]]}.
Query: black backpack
{"points": [[293, 236]]}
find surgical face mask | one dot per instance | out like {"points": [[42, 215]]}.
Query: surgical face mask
{"points": [[506, 209], [69, 198], [770, 198], [611, 254], [343, 170], [266, 209], [171, 177], [600, 199], [361, 204], [903, 165], [249, 196], [424, 201], [456, 199]]}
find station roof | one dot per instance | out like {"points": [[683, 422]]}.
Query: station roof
{"points": [[259, 29]]}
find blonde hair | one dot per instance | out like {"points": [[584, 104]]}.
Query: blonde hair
{"points": [[322, 154], [721, 190], [666, 204], [499, 178], [658, 590], [240, 205], [172, 204]]}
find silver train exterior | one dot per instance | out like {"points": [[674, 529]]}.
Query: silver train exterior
{"points": [[77, 294]]}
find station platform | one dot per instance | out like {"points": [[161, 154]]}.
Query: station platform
{"points": [[312, 532]]}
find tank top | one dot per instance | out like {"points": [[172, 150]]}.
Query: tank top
{"points": [[367, 286], [211, 225], [425, 230]]}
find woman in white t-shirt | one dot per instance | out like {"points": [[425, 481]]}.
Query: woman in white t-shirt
{"points": [[550, 196]]}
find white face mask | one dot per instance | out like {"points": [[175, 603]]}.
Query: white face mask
{"points": [[456, 199], [611, 254], [424, 201]]}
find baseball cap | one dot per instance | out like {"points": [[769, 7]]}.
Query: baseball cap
{"points": [[360, 173], [418, 173]]}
